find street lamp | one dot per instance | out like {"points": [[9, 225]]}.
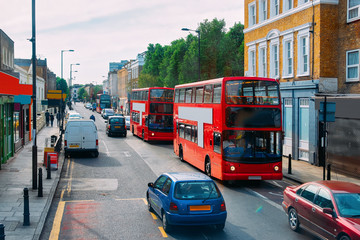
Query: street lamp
{"points": [[62, 99], [70, 80], [62, 51], [198, 32]]}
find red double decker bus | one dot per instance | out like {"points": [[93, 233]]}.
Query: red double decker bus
{"points": [[230, 127], [151, 113]]}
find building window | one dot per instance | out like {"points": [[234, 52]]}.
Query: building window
{"points": [[303, 54], [302, 2], [252, 62], [287, 5], [288, 57], [262, 10], [252, 13], [352, 66], [274, 8], [274, 60], [353, 10], [262, 61]]}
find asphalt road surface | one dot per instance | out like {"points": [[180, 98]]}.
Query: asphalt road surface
{"points": [[104, 197]]}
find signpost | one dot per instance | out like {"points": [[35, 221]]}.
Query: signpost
{"points": [[326, 114]]}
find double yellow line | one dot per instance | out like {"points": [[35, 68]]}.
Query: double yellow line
{"points": [[55, 231]]}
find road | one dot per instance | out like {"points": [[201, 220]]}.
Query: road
{"points": [[104, 197]]}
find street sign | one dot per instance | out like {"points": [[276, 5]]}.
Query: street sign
{"points": [[44, 102], [330, 111]]}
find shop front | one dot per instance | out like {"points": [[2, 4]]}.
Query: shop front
{"points": [[6, 128]]}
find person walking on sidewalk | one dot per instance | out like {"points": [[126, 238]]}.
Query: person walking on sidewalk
{"points": [[47, 117], [52, 119], [58, 119]]}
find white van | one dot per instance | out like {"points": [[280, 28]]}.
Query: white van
{"points": [[81, 136]]}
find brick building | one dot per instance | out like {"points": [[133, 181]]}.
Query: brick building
{"points": [[312, 47]]}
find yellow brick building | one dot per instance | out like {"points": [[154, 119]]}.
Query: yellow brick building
{"points": [[312, 47]]}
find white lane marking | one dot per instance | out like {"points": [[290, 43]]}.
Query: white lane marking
{"points": [[276, 184], [276, 194], [265, 199], [127, 154], [107, 150], [256, 193]]}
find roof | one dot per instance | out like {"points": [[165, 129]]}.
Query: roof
{"points": [[188, 176], [339, 186]]}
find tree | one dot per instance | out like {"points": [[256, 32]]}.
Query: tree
{"points": [[62, 85], [222, 54]]}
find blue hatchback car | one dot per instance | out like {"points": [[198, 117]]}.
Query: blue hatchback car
{"points": [[186, 199]]}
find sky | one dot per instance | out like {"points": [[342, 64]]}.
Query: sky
{"points": [[103, 31]]}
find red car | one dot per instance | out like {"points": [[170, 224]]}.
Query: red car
{"points": [[329, 209]]}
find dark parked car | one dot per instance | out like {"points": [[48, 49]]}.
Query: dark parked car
{"points": [[186, 199], [329, 209], [115, 125]]}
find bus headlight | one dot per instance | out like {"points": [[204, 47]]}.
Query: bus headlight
{"points": [[232, 168], [276, 168], [152, 134]]}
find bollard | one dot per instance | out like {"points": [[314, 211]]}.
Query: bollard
{"points": [[328, 172], [289, 167], [40, 189], [26, 208], [2, 231], [48, 168]]}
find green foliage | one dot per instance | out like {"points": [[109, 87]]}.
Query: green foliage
{"points": [[221, 54], [148, 80], [61, 84], [97, 89]]}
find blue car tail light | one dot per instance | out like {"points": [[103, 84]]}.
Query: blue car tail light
{"points": [[223, 207], [173, 208]]}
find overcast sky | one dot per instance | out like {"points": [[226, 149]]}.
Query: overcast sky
{"points": [[103, 31]]}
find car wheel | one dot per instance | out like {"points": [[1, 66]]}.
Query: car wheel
{"points": [[344, 237], [293, 219], [208, 167], [220, 226], [96, 154], [165, 224], [149, 205]]}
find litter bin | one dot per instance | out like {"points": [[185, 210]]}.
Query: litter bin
{"points": [[54, 163]]}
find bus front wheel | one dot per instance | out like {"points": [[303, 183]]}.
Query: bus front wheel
{"points": [[208, 167]]}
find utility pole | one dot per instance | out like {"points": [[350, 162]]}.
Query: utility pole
{"points": [[34, 147]]}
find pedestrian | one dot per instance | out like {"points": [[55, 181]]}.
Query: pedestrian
{"points": [[47, 117], [92, 117], [58, 118], [52, 119]]}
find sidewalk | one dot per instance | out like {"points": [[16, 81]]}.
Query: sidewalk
{"points": [[305, 172], [16, 175]]}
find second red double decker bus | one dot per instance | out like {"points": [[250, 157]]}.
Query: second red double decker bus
{"points": [[230, 127], [151, 113]]}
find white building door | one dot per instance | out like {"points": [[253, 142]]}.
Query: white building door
{"points": [[287, 123], [304, 129]]}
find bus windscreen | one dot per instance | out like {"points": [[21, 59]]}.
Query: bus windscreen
{"points": [[166, 108], [250, 117], [160, 123], [162, 95], [252, 146], [252, 92]]}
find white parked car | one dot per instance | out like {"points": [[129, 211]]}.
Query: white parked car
{"points": [[81, 136]]}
